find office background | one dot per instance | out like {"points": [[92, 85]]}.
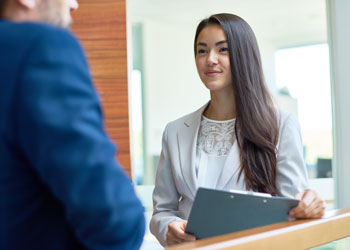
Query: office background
{"points": [[160, 60], [295, 39]]}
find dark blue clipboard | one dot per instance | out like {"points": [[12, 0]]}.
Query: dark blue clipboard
{"points": [[216, 212]]}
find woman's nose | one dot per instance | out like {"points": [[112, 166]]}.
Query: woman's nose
{"points": [[212, 58]]}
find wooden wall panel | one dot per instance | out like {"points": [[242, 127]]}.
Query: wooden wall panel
{"points": [[101, 27]]}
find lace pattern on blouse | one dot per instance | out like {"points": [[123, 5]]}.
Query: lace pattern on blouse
{"points": [[216, 137]]}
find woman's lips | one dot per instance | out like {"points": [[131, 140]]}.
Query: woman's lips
{"points": [[212, 73]]}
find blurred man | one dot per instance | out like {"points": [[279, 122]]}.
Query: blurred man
{"points": [[60, 187]]}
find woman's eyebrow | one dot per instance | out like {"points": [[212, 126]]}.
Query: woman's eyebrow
{"points": [[216, 44], [220, 42]]}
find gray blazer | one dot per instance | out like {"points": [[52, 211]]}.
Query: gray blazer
{"points": [[176, 181]]}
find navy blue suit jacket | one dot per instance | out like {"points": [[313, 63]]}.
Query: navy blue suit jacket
{"points": [[60, 187]]}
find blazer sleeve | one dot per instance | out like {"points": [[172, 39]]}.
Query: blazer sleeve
{"points": [[61, 134], [292, 176], [165, 195]]}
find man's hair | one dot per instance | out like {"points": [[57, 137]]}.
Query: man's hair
{"points": [[2, 3]]}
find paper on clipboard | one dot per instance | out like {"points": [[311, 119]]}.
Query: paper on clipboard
{"points": [[250, 192], [216, 212]]}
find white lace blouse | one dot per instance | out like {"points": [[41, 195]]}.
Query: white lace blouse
{"points": [[215, 140]]}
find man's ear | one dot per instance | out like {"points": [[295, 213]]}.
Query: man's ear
{"points": [[29, 4]]}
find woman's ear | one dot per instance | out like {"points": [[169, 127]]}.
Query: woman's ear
{"points": [[29, 4]]}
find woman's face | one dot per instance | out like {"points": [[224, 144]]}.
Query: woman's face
{"points": [[212, 59]]}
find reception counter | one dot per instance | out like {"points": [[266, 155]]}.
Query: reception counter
{"points": [[291, 235]]}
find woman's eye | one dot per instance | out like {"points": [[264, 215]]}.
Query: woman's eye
{"points": [[201, 51], [224, 50]]}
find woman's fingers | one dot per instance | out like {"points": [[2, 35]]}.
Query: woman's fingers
{"points": [[176, 233], [185, 236], [310, 206], [172, 239], [305, 205]]}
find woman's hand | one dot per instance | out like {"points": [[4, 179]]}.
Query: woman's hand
{"points": [[311, 206], [176, 233]]}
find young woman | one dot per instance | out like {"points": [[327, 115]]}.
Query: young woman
{"points": [[238, 140]]}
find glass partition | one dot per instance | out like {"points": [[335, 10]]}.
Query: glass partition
{"points": [[302, 74]]}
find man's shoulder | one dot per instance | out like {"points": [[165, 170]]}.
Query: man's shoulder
{"points": [[28, 32], [46, 33]]}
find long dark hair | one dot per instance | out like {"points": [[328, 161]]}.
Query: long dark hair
{"points": [[256, 122]]}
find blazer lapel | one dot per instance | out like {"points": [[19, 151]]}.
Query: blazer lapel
{"points": [[187, 140], [231, 167]]}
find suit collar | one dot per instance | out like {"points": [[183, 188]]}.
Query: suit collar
{"points": [[187, 138], [194, 118]]}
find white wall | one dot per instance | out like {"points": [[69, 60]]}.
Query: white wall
{"points": [[172, 87]]}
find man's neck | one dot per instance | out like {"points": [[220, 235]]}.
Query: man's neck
{"points": [[13, 12]]}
